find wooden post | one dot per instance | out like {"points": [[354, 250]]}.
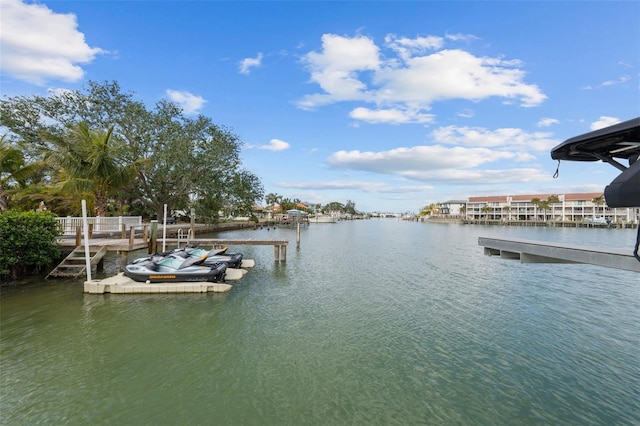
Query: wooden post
{"points": [[283, 253], [123, 259], [90, 231], [153, 237], [193, 223], [276, 252], [78, 236], [145, 233], [132, 234]]}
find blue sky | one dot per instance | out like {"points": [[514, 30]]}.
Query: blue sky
{"points": [[392, 105]]}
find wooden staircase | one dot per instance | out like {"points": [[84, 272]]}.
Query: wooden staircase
{"points": [[75, 265]]}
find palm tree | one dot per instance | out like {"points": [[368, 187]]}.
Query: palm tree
{"points": [[93, 162], [553, 200], [486, 210], [598, 201], [544, 206], [535, 202], [508, 210]]}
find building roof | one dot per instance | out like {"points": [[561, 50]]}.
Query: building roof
{"points": [[586, 196], [489, 199]]}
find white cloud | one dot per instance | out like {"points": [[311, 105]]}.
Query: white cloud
{"points": [[364, 186], [190, 103], [460, 37], [459, 155], [247, 63], [273, 145], [38, 44], [603, 122], [546, 122], [408, 47], [504, 138], [336, 69], [391, 116], [420, 73], [405, 161], [466, 113], [437, 164], [620, 80]]}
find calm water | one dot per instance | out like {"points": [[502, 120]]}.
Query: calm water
{"points": [[378, 322]]}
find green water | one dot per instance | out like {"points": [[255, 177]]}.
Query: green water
{"points": [[378, 322]]}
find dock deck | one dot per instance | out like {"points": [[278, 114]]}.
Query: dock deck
{"points": [[528, 251]]}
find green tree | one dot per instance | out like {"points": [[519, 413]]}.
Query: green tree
{"points": [[350, 207], [272, 199], [429, 210], [11, 162], [180, 161], [334, 206]]}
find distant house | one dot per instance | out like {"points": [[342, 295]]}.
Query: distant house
{"points": [[452, 207]]}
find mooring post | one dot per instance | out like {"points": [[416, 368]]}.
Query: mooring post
{"points": [[153, 237], [132, 234], [124, 258], [192, 229], [298, 236], [283, 254], [276, 252]]}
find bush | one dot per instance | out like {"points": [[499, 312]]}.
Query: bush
{"points": [[27, 241]]}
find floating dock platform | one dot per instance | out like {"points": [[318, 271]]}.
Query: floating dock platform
{"points": [[119, 284]]}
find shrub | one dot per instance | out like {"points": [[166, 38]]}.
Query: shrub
{"points": [[27, 241]]}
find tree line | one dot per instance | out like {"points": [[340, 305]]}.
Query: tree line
{"points": [[285, 204], [124, 158]]}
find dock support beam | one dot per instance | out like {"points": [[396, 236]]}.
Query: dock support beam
{"points": [[280, 253]]}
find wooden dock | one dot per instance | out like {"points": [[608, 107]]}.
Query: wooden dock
{"points": [[279, 246], [125, 245]]}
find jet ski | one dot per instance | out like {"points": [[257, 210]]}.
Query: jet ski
{"points": [[232, 260], [175, 268]]}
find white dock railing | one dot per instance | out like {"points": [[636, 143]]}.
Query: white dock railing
{"points": [[68, 225]]}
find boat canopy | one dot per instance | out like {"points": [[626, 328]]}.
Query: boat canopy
{"points": [[621, 140], [296, 212]]}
